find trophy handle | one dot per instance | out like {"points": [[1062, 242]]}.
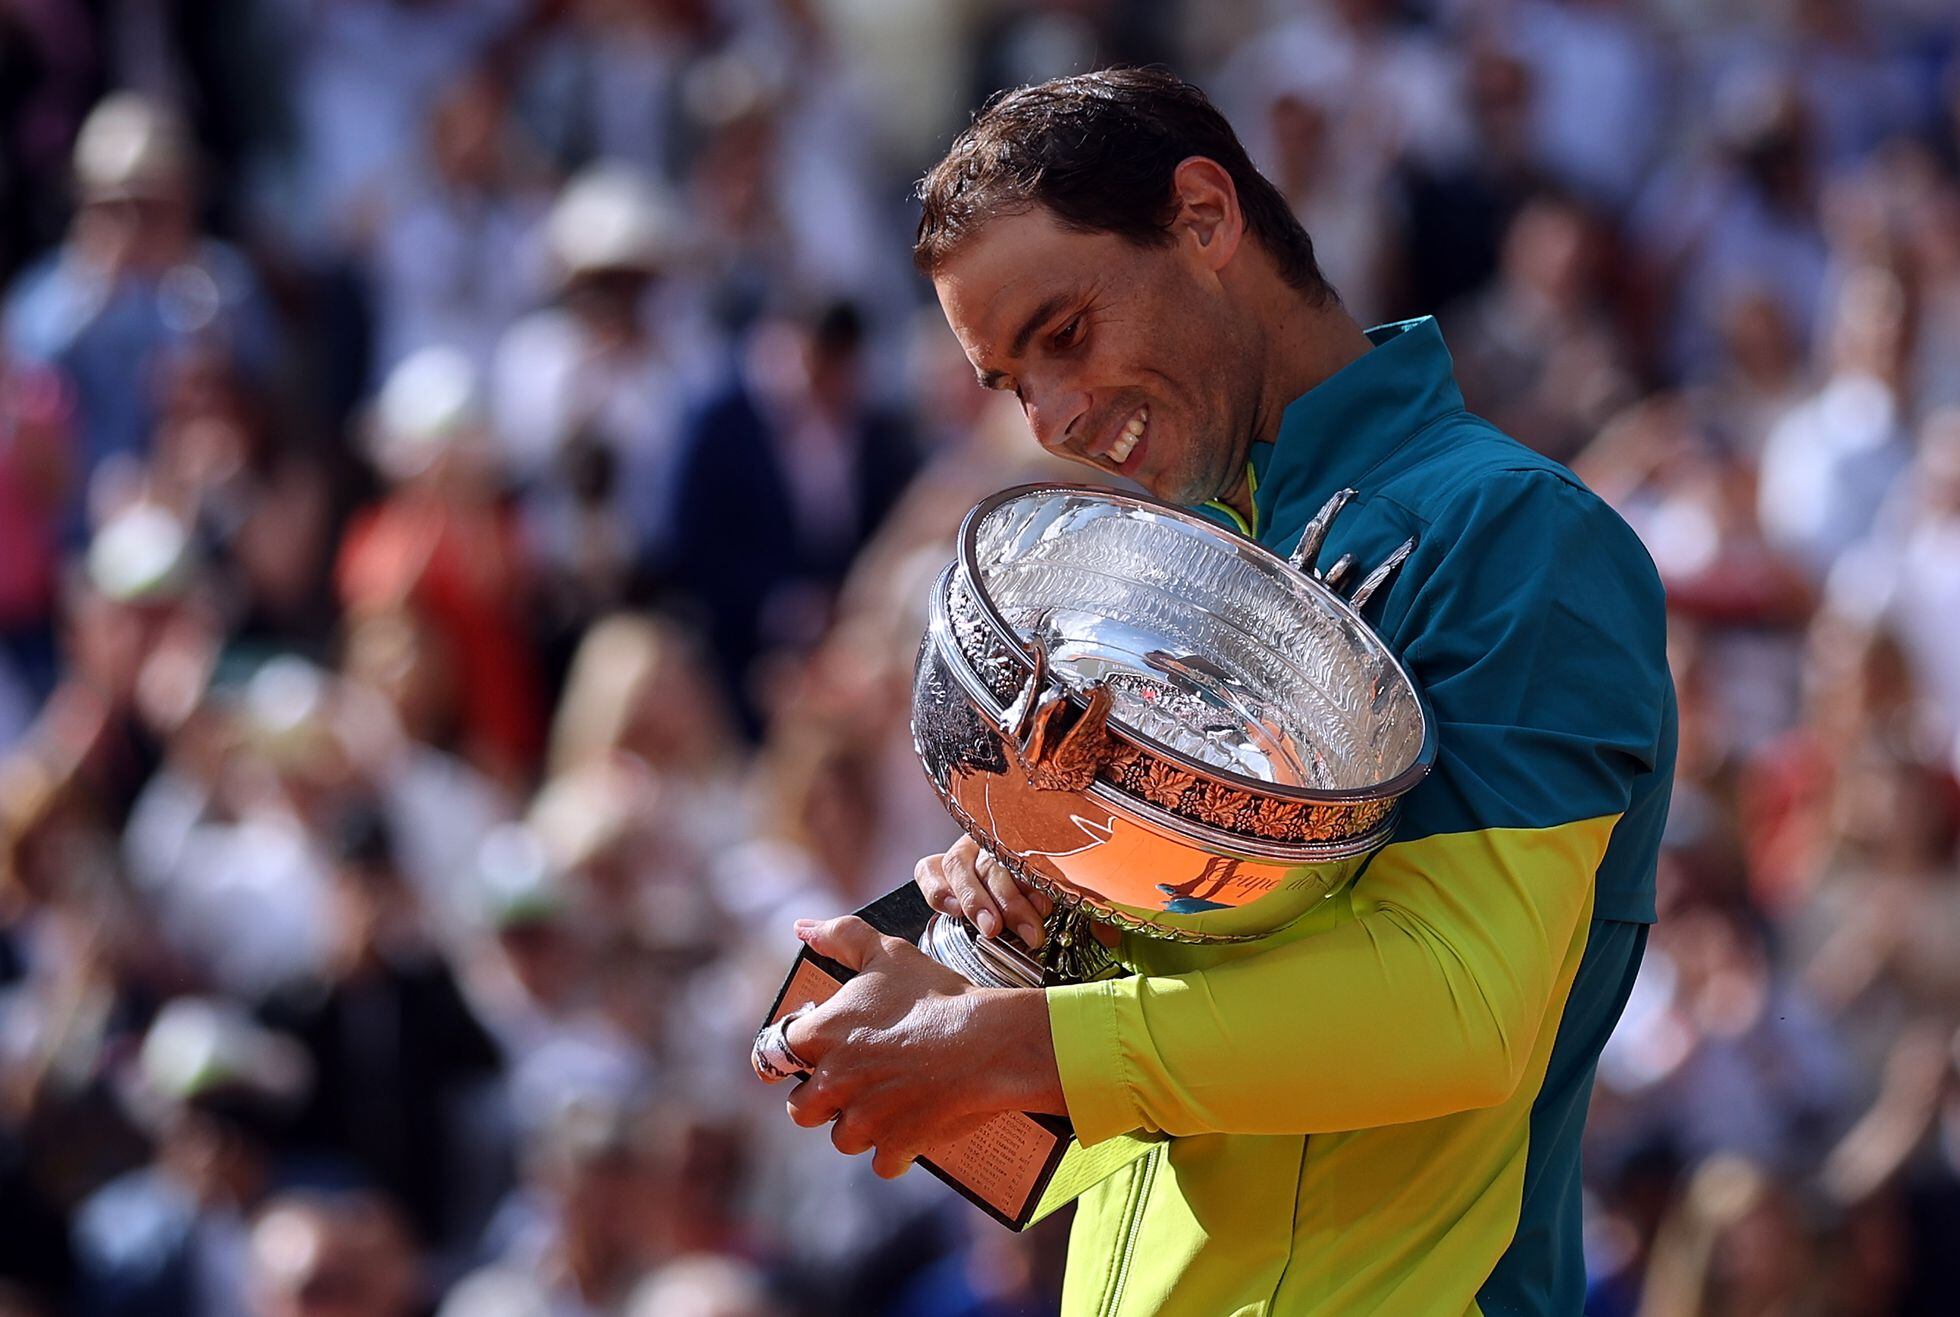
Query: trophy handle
{"points": [[1065, 758], [1017, 718], [1334, 575], [1374, 580], [1059, 754], [1308, 549]]}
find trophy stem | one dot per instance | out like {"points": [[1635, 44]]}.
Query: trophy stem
{"points": [[988, 962], [1069, 954]]}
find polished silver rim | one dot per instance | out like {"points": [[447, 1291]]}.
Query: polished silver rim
{"points": [[1011, 641]]}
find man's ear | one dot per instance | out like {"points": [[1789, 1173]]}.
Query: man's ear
{"points": [[1209, 221]]}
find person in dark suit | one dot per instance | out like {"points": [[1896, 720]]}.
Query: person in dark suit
{"points": [[783, 478]]}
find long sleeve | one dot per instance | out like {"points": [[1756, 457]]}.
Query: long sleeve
{"points": [[1425, 998]]}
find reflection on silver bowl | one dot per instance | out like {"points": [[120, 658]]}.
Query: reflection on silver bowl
{"points": [[1155, 722]]}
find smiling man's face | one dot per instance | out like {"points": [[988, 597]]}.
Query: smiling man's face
{"points": [[1126, 358]]}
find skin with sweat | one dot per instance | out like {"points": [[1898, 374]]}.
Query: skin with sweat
{"points": [[1164, 364]]}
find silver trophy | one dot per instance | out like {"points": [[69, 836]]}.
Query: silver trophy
{"points": [[1156, 723]]}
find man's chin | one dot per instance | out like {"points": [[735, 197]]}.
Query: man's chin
{"points": [[1169, 487]]}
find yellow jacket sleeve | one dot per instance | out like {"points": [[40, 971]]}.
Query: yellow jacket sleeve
{"points": [[1423, 998]]}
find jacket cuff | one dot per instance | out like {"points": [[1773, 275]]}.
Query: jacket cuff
{"points": [[1082, 1018]]}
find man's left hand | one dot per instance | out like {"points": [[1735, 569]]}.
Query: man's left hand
{"points": [[909, 1054]]}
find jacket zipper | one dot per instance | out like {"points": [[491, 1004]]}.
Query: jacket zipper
{"points": [[1139, 1195]]}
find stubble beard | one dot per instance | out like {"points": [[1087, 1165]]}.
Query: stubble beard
{"points": [[1213, 478]]}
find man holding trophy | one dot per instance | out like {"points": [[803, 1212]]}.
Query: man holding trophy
{"points": [[1374, 893]]}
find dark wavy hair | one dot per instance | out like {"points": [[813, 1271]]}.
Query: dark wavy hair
{"points": [[1098, 150]]}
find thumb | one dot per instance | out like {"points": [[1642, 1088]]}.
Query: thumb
{"points": [[849, 941]]}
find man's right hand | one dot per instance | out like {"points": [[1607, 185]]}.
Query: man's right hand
{"points": [[966, 880]]}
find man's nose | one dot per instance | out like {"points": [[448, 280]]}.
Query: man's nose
{"points": [[1052, 414]]}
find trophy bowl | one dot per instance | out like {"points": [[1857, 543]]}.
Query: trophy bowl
{"points": [[1159, 724]]}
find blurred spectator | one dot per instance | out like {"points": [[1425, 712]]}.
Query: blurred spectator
{"points": [[1859, 85], [261, 505], [77, 975], [133, 283], [401, 695], [605, 828], [171, 1238], [589, 393], [1694, 506], [454, 256], [361, 76], [1909, 572], [442, 546], [226, 843], [1455, 211], [592, 1215], [1346, 215], [781, 178], [142, 636], [1829, 463], [1597, 73], [1859, 707], [1033, 40], [609, 81], [641, 687], [801, 459], [1761, 378], [534, 984], [1744, 219], [345, 1255], [1695, 509], [1879, 933], [395, 1050], [1538, 354], [1738, 1243], [1390, 81], [1723, 1053], [793, 89]]}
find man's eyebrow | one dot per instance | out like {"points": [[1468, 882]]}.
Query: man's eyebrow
{"points": [[1040, 316]]}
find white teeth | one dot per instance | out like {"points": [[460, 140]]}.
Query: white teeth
{"points": [[1119, 452]]}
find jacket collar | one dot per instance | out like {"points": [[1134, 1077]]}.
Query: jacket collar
{"points": [[1341, 429]]}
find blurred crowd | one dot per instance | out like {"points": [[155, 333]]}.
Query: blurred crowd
{"points": [[470, 474]]}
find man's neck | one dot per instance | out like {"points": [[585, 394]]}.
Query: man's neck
{"points": [[1305, 343]]}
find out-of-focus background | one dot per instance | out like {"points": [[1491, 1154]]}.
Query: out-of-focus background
{"points": [[469, 475]]}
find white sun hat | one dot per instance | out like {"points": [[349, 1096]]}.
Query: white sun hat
{"points": [[614, 217], [131, 146], [430, 402]]}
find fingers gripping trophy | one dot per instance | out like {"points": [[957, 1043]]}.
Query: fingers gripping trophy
{"points": [[1163, 729]]}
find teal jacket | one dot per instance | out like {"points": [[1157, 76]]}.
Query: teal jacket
{"points": [[1379, 1109]]}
